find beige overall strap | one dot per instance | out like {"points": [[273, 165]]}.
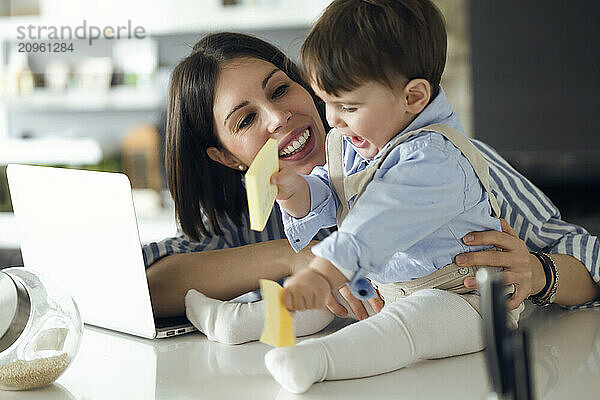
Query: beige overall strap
{"points": [[475, 158], [335, 169], [345, 187]]}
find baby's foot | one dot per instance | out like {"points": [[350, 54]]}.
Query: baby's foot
{"points": [[236, 323], [297, 368], [223, 321]]}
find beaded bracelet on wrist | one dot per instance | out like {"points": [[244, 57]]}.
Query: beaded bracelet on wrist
{"points": [[546, 297], [547, 273]]}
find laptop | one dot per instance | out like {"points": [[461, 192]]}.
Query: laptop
{"points": [[79, 228]]}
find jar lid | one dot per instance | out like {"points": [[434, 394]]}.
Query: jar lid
{"points": [[15, 307]]}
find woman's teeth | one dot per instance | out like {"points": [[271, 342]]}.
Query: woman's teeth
{"points": [[296, 146]]}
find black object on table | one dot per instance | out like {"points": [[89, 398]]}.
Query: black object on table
{"points": [[506, 350]]}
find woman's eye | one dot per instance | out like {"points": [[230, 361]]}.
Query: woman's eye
{"points": [[246, 121], [280, 91]]}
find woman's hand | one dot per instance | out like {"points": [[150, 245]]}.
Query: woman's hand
{"points": [[520, 267], [355, 304]]}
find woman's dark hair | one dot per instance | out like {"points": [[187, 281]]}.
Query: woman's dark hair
{"points": [[356, 41], [198, 184]]}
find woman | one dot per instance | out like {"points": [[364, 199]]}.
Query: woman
{"points": [[226, 99]]}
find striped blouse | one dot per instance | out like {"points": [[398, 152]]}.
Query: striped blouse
{"points": [[531, 214]]}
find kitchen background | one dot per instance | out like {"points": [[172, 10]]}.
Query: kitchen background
{"points": [[523, 76]]}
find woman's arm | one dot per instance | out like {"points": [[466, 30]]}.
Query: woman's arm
{"points": [[222, 274], [575, 287]]}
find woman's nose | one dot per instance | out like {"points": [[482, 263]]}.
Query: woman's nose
{"points": [[278, 119]]}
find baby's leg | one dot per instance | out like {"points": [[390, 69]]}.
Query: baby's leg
{"points": [[428, 324], [236, 323]]}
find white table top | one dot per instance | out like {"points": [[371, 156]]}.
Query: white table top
{"points": [[566, 365]]}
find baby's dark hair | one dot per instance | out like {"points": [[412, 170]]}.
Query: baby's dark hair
{"points": [[356, 41]]}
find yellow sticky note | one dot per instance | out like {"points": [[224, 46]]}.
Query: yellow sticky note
{"points": [[261, 194], [278, 330]]}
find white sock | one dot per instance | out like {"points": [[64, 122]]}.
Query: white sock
{"points": [[236, 323], [430, 323]]}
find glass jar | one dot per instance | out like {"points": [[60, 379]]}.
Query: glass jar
{"points": [[40, 330]]}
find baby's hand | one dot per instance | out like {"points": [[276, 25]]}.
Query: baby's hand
{"points": [[306, 290], [293, 194]]}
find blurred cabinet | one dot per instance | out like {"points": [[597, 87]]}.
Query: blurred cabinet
{"points": [[106, 116], [141, 158]]}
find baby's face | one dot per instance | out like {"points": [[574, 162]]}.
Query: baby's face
{"points": [[369, 115]]}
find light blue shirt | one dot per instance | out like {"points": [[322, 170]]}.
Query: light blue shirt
{"points": [[411, 217]]}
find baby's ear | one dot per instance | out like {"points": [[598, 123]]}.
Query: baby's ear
{"points": [[417, 93]]}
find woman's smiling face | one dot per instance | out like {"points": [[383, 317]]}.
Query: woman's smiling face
{"points": [[255, 101]]}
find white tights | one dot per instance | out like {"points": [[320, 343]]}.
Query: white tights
{"points": [[430, 323], [236, 323]]}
